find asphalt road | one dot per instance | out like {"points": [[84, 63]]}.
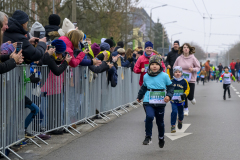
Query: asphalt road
{"points": [[214, 128]]}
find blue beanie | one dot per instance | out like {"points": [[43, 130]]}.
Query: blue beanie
{"points": [[104, 46], [148, 44], [59, 45], [84, 37], [20, 16]]}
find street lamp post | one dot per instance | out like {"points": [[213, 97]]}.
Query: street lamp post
{"points": [[151, 19], [174, 35], [163, 35]]}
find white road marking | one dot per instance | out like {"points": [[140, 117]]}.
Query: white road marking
{"points": [[28, 151], [179, 133], [238, 95]]}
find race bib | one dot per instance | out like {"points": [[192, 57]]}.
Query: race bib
{"points": [[146, 67], [202, 76], [177, 94], [157, 97], [187, 76]]}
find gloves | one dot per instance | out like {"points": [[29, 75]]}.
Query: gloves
{"points": [[33, 79], [183, 96], [220, 80], [130, 59]]}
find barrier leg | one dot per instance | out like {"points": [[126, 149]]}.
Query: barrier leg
{"points": [[105, 119], [125, 109], [117, 112], [89, 122], [34, 142], [14, 153], [41, 140], [74, 129], [130, 104], [105, 116], [68, 131], [6, 156]]}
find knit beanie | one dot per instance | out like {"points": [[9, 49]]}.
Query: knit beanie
{"points": [[59, 45], [120, 44], [20, 16], [177, 68], [67, 25], [114, 43], [121, 51], [54, 19], [36, 27], [96, 49], [155, 59], [103, 39], [104, 46], [176, 42], [110, 42], [148, 44]]}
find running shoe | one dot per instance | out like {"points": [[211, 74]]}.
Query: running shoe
{"points": [[186, 112], [44, 136], [224, 98], [179, 125], [229, 96], [147, 141], [193, 101], [28, 135], [173, 129], [161, 142]]}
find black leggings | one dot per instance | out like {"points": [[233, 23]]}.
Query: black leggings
{"points": [[191, 94], [226, 87]]}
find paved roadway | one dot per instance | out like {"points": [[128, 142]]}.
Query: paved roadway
{"points": [[214, 128]]}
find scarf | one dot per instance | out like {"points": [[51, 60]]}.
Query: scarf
{"points": [[153, 74], [148, 56], [178, 79]]}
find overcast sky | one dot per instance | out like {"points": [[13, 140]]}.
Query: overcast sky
{"points": [[225, 20]]}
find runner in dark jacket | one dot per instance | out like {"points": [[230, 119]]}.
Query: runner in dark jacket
{"points": [[172, 56]]}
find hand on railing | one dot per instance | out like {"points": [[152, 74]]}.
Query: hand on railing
{"points": [[139, 101], [96, 62]]}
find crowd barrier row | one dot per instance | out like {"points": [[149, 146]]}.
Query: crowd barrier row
{"points": [[75, 96]]}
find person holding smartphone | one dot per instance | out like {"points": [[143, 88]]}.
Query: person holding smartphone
{"points": [[18, 31]]}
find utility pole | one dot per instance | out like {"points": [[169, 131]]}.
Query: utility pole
{"points": [[74, 19], [126, 38], [53, 5], [162, 41]]}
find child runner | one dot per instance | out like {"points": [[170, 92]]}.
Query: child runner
{"points": [[227, 77], [217, 74], [198, 78], [181, 91], [203, 74], [157, 90]]}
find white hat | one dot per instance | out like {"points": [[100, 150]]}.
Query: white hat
{"points": [[36, 27], [103, 39], [67, 25]]}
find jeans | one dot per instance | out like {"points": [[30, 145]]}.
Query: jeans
{"points": [[34, 111], [176, 109], [226, 87], [152, 112]]}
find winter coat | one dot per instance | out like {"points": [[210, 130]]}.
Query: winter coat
{"points": [[125, 63], [85, 61], [171, 57], [207, 66], [203, 73], [188, 62], [16, 33], [237, 66], [113, 76], [53, 35], [50, 28], [142, 60], [115, 53], [98, 69], [6, 63], [74, 61]]}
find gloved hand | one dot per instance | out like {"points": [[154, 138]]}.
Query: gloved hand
{"points": [[130, 59], [33, 79], [220, 80], [183, 96]]}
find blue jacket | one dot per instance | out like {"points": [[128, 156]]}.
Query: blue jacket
{"points": [[124, 63], [113, 76], [181, 85], [115, 53]]}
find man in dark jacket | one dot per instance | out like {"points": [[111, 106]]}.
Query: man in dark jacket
{"points": [[119, 45], [54, 22], [237, 67], [172, 56], [220, 67], [17, 32]]}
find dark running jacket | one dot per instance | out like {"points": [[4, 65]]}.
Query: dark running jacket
{"points": [[180, 85]]}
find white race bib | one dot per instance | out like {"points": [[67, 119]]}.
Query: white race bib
{"points": [[157, 97], [187, 76]]}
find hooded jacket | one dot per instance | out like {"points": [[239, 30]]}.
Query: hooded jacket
{"points": [[16, 33], [74, 61], [188, 62], [171, 57], [50, 28], [142, 60]]}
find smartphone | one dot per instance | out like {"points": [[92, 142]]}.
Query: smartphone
{"points": [[85, 45], [19, 46], [41, 34], [75, 24], [50, 47]]}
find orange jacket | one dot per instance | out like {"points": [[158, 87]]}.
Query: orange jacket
{"points": [[207, 66]]}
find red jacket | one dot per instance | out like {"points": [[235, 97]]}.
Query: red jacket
{"points": [[142, 60], [74, 61], [232, 65]]}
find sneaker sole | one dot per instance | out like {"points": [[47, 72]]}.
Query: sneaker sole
{"points": [[173, 131], [148, 143], [29, 136]]}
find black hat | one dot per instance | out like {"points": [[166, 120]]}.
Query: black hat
{"points": [[226, 67], [140, 52], [176, 42], [120, 44], [110, 42], [54, 19], [20, 16]]}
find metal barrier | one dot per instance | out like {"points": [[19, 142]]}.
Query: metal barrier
{"points": [[76, 95]]}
